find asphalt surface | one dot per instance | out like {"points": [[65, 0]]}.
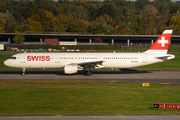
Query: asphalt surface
{"points": [[155, 77], [113, 117]]}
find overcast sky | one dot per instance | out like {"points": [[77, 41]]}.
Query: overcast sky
{"points": [[153, 0]]}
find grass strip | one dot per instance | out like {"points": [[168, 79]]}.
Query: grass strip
{"points": [[54, 97]]}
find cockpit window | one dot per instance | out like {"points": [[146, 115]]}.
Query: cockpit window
{"points": [[12, 57]]}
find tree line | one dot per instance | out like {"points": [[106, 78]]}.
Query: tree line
{"points": [[90, 17]]}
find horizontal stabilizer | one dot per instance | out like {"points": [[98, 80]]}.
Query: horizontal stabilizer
{"points": [[165, 57]]}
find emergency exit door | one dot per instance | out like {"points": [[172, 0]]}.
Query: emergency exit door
{"points": [[57, 59], [23, 58], [144, 58]]}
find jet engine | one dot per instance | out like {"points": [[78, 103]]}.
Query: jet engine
{"points": [[70, 69]]}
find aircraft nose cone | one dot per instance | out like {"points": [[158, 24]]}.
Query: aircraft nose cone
{"points": [[6, 63]]}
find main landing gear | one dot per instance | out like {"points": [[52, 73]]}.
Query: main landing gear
{"points": [[88, 73], [23, 71]]}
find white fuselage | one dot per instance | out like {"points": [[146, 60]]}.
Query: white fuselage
{"points": [[72, 62], [59, 60]]}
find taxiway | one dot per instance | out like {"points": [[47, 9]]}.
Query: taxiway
{"points": [[94, 117], [155, 77]]}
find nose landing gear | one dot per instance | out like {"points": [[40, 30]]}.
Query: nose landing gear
{"points": [[23, 71]]}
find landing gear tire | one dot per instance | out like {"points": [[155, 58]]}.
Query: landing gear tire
{"points": [[88, 73]]}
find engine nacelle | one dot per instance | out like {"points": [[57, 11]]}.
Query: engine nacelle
{"points": [[70, 69]]}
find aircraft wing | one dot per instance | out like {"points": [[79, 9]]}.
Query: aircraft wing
{"points": [[90, 65]]}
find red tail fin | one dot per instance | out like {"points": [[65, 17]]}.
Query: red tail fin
{"points": [[162, 43]]}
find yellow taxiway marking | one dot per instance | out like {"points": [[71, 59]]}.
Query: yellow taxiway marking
{"points": [[112, 81], [55, 80], [120, 115], [164, 83], [59, 115]]}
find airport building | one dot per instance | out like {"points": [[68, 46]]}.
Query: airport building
{"points": [[125, 40]]}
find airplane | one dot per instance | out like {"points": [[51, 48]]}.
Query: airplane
{"points": [[73, 62]]}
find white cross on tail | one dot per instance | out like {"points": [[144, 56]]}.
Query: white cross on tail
{"points": [[163, 41]]}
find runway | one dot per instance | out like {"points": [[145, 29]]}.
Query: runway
{"points": [[154, 77], [94, 117]]}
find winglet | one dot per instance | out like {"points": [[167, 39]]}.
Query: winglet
{"points": [[162, 43]]}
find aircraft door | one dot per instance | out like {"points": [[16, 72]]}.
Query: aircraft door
{"points": [[23, 58], [144, 56], [99, 57], [57, 59]]}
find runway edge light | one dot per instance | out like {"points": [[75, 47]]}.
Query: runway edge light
{"points": [[145, 84]]}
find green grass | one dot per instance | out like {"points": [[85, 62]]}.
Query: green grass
{"points": [[167, 65], [54, 97]]}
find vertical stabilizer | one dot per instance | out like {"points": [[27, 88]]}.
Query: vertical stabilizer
{"points": [[161, 44]]}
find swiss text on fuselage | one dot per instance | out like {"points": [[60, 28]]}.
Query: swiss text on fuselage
{"points": [[38, 58]]}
